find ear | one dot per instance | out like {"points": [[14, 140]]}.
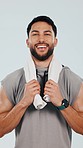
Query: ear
{"points": [[27, 42], [55, 42]]}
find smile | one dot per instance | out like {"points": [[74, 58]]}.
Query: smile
{"points": [[41, 46]]}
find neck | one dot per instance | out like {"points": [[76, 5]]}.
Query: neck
{"points": [[42, 64]]}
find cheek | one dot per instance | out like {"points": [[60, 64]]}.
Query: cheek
{"points": [[50, 40], [33, 41], [52, 43]]}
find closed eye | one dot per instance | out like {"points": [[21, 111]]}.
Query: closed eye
{"points": [[48, 34], [35, 34]]}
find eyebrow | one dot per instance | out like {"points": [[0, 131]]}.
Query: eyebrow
{"points": [[38, 31], [48, 31], [34, 31]]}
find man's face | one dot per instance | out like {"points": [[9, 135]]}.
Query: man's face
{"points": [[41, 40]]}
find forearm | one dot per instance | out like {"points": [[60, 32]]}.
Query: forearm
{"points": [[74, 119], [9, 120]]}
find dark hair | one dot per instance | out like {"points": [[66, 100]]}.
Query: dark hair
{"points": [[42, 19]]}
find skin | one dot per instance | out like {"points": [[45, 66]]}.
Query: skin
{"points": [[42, 33]]}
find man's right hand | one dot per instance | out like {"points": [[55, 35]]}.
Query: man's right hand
{"points": [[11, 115], [31, 89]]}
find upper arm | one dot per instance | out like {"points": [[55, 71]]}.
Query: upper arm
{"points": [[5, 104], [78, 104]]}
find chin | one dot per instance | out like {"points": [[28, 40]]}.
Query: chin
{"points": [[42, 56]]}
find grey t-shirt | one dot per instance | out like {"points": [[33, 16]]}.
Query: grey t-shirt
{"points": [[44, 128]]}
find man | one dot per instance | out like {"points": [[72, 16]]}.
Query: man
{"points": [[50, 126]]}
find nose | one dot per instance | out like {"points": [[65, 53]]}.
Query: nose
{"points": [[41, 38]]}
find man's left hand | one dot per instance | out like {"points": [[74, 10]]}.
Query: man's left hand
{"points": [[52, 89]]}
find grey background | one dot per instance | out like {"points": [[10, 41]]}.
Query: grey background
{"points": [[14, 17]]}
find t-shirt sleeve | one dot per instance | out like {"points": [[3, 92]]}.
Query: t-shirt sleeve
{"points": [[70, 84], [10, 84]]}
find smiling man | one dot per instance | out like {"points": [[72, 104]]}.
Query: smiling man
{"points": [[51, 126], [41, 40]]}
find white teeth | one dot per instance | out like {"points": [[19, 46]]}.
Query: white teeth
{"points": [[41, 47]]}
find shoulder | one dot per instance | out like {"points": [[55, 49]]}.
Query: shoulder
{"points": [[12, 80], [12, 83], [70, 82], [68, 74], [15, 75]]}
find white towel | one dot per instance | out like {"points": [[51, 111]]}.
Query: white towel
{"points": [[53, 73], [30, 74]]}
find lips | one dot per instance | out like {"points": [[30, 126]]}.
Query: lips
{"points": [[41, 47]]}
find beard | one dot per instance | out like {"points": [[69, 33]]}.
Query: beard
{"points": [[43, 57]]}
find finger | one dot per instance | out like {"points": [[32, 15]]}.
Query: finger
{"points": [[32, 81], [32, 84], [47, 93], [48, 86], [51, 82], [35, 91], [48, 89]]}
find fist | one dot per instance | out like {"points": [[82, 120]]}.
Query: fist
{"points": [[52, 89], [31, 89]]}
